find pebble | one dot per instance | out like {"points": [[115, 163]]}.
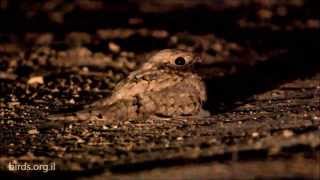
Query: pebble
{"points": [[255, 134], [179, 138], [72, 101], [33, 131], [316, 118], [264, 14], [287, 133], [114, 47], [36, 80]]}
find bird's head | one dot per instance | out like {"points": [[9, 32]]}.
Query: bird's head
{"points": [[171, 58]]}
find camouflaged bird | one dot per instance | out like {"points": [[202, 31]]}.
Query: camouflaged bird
{"points": [[165, 87]]}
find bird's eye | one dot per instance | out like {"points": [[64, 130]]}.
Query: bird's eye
{"points": [[180, 61]]}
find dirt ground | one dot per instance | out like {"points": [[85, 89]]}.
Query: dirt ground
{"points": [[262, 75]]}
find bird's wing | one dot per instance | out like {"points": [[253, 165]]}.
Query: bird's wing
{"points": [[180, 99], [149, 81], [119, 111]]}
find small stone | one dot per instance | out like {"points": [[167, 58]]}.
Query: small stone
{"points": [[179, 138], [135, 21], [36, 80], [15, 103], [287, 133], [282, 11], [160, 34], [79, 140], [213, 140], [174, 39], [313, 24], [44, 39], [85, 69], [77, 39], [255, 134], [33, 131], [72, 101], [217, 47], [114, 47], [316, 118], [265, 14]]}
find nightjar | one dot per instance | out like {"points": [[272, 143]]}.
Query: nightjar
{"points": [[165, 86]]}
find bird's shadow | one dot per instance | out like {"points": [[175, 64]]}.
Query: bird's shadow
{"points": [[227, 93]]}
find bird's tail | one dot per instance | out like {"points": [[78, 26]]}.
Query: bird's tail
{"points": [[118, 111]]}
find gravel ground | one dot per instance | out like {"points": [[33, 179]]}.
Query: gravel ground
{"points": [[262, 77]]}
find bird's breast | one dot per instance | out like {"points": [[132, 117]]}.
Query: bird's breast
{"points": [[155, 81]]}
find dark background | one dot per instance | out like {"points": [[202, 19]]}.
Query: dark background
{"points": [[262, 76]]}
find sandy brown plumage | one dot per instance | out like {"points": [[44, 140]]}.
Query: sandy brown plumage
{"points": [[165, 86]]}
